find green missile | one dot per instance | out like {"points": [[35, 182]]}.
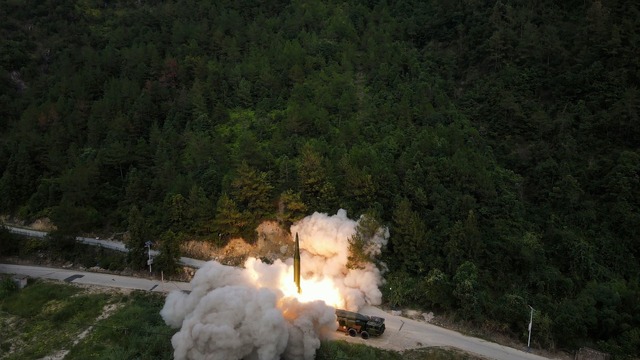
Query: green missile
{"points": [[296, 264]]}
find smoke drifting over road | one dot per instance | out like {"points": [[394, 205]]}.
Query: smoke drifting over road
{"points": [[256, 312]]}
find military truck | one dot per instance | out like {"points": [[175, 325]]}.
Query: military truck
{"points": [[353, 324]]}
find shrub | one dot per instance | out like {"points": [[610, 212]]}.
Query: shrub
{"points": [[7, 287], [9, 244]]}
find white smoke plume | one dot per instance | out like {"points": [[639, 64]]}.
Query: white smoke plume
{"points": [[324, 244], [256, 312]]}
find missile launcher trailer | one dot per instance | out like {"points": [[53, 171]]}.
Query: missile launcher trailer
{"points": [[353, 324]]}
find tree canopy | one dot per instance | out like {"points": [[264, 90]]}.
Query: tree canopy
{"points": [[498, 140]]}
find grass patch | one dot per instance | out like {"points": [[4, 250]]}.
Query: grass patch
{"points": [[7, 287], [437, 354], [136, 331], [342, 350], [45, 317], [338, 350], [31, 300]]}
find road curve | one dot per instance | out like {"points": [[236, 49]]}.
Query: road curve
{"points": [[108, 244], [93, 278], [404, 333], [401, 333]]}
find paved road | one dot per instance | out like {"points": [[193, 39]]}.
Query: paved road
{"points": [[401, 333], [26, 232], [92, 278], [109, 244]]}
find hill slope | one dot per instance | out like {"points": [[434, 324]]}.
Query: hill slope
{"points": [[498, 140]]}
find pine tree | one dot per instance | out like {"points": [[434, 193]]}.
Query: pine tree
{"points": [[252, 191], [229, 221], [366, 243], [410, 246], [291, 208], [169, 257], [138, 236]]}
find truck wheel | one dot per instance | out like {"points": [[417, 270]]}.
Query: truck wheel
{"points": [[352, 332], [365, 335]]}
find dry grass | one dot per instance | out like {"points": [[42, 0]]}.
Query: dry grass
{"points": [[272, 242], [201, 250]]}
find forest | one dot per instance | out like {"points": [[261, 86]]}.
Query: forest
{"points": [[498, 140]]}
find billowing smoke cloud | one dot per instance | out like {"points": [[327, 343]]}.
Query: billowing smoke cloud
{"points": [[324, 244], [256, 312]]}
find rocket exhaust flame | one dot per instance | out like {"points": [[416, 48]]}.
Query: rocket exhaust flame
{"points": [[258, 313]]}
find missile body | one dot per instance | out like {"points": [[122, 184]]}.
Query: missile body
{"points": [[296, 263]]}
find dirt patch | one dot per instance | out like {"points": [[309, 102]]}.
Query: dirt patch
{"points": [[235, 253], [201, 250], [59, 355], [107, 310], [9, 324], [43, 224], [272, 243], [95, 289]]}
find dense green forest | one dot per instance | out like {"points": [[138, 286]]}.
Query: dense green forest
{"points": [[499, 140]]}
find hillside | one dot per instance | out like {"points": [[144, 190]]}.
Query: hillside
{"points": [[497, 140]]}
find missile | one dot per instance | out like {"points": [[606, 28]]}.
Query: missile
{"points": [[296, 263]]}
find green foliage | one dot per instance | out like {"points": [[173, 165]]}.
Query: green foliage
{"points": [[33, 299], [291, 208], [499, 133], [544, 333], [59, 311], [176, 209], [145, 334], [199, 212], [81, 309], [464, 241], [251, 190], [61, 242], [9, 244], [169, 257], [229, 221], [138, 236], [33, 246], [7, 287], [62, 312], [59, 247], [364, 245], [409, 241], [466, 290], [314, 182], [437, 290], [342, 350], [400, 290]]}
